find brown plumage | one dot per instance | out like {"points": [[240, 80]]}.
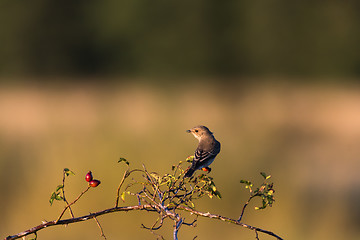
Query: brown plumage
{"points": [[206, 151]]}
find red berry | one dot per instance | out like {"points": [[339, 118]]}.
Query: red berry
{"points": [[94, 183], [89, 176]]}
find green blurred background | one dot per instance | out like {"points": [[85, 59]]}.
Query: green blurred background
{"points": [[83, 83]]}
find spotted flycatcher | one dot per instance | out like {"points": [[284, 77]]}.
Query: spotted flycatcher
{"points": [[206, 151]]}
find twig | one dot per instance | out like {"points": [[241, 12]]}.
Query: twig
{"points": [[177, 226], [158, 236], [245, 205], [153, 226], [154, 185], [80, 219], [178, 196], [62, 213], [63, 192], [126, 175], [256, 235], [101, 229], [192, 224], [147, 207], [230, 220]]}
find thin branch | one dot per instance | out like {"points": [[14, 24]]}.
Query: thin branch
{"points": [[138, 197], [158, 236], [245, 205], [63, 192], [152, 198], [101, 229], [154, 185], [192, 224], [126, 175], [147, 207], [159, 206], [256, 235], [230, 220], [80, 219], [177, 226], [83, 192], [153, 226]]}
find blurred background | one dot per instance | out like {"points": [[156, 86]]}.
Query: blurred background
{"points": [[83, 83]]}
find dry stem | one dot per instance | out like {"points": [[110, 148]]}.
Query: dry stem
{"points": [[147, 207]]}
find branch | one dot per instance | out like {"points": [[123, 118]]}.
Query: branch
{"points": [[63, 192], [68, 206], [177, 226], [147, 207], [80, 219], [126, 175], [165, 195], [245, 205], [230, 220], [101, 229]]}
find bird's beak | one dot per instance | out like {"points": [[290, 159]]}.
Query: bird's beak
{"points": [[188, 131]]}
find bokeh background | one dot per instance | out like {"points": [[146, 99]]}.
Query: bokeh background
{"points": [[83, 83]]}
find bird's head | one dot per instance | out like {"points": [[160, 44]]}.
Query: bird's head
{"points": [[199, 132]]}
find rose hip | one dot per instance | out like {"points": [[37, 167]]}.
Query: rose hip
{"points": [[89, 177], [94, 183]]}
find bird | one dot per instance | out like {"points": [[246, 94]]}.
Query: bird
{"points": [[205, 152]]}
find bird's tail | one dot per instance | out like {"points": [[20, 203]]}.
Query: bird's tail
{"points": [[189, 172]]}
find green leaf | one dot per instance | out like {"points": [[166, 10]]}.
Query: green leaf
{"points": [[123, 160], [59, 187], [58, 197], [264, 175], [246, 182], [217, 194], [68, 172], [55, 196], [123, 196], [52, 197]]}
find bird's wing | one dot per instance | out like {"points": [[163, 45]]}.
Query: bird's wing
{"points": [[201, 157]]}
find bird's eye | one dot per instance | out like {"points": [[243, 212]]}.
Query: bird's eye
{"points": [[196, 130]]}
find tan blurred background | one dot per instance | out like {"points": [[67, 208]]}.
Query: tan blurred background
{"points": [[84, 83]]}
